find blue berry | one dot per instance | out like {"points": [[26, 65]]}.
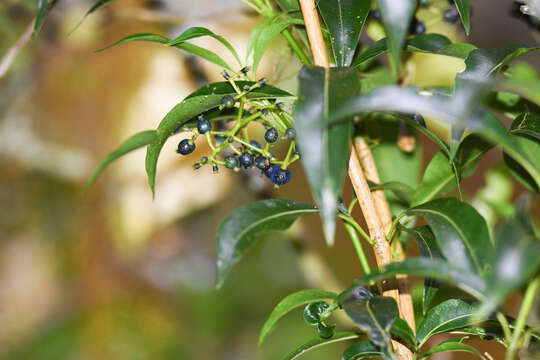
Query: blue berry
{"points": [[197, 166], [215, 169], [225, 75], [271, 135], [262, 163], [220, 138], [227, 101], [244, 70], [376, 14], [203, 125], [255, 144], [268, 172], [280, 176], [417, 27], [264, 111], [185, 147], [231, 162], [451, 15], [290, 133], [246, 160]]}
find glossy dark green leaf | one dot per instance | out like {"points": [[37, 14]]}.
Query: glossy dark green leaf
{"points": [[452, 345], [344, 20], [464, 10], [460, 231], [527, 124], [263, 34], [516, 258], [291, 302], [425, 267], [204, 99], [43, 7], [238, 231], [361, 350], [439, 176], [425, 240], [447, 316], [318, 341], [396, 17], [403, 331], [190, 48], [373, 314], [288, 5], [136, 141], [321, 91]]}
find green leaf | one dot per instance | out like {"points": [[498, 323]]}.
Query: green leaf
{"points": [[291, 302], [318, 341], [238, 231], [136, 141], [464, 12], [195, 32], [452, 345], [361, 350], [461, 233], [396, 21], [288, 5], [344, 20], [439, 176], [445, 317], [526, 124], [43, 8], [428, 248], [190, 48], [522, 79], [263, 34], [204, 99], [403, 331], [373, 314], [326, 148], [419, 266], [97, 5], [516, 257], [401, 190]]}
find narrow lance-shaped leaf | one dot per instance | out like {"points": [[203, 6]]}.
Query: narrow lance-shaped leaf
{"points": [[136, 141], [454, 345], [239, 230], [373, 314], [396, 16], [291, 302], [344, 20], [461, 233], [317, 342], [204, 99], [447, 316], [361, 350], [324, 150], [401, 329], [42, 10], [464, 11], [97, 5]]}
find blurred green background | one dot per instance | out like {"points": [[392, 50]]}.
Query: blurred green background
{"points": [[110, 274]]}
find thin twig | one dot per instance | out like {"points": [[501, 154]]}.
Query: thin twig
{"points": [[12, 53]]}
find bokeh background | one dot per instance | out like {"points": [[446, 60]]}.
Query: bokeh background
{"points": [[109, 273]]}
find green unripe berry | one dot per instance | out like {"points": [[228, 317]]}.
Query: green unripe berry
{"points": [[325, 331], [231, 162], [313, 312], [227, 101]]}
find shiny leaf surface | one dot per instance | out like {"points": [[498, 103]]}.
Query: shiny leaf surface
{"points": [[452, 345], [361, 350], [316, 342]]}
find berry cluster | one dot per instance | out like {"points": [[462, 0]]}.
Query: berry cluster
{"points": [[231, 144], [315, 314]]}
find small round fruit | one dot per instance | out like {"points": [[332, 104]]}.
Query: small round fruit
{"points": [[246, 160], [262, 163], [376, 14], [290, 133], [268, 172], [264, 111], [186, 147], [297, 152], [255, 144], [204, 160], [215, 169], [231, 162], [417, 27], [280, 176], [271, 135], [203, 125], [197, 166], [227, 101], [244, 70], [313, 312], [451, 15], [325, 331]]}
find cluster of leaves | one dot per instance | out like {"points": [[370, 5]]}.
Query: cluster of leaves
{"points": [[457, 246]]}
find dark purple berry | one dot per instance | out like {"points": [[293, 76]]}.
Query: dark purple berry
{"points": [[246, 160], [228, 101], [268, 172], [264, 111], [255, 144], [244, 70], [279, 106], [280, 176], [417, 27], [203, 125], [215, 169], [185, 147], [271, 135], [231, 162], [197, 166], [451, 15], [225, 75], [219, 138], [262, 81], [290, 133], [246, 88], [376, 14], [262, 163]]}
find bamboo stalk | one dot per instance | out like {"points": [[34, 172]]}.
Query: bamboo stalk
{"points": [[382, 249]]}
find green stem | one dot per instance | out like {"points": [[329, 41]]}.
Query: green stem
{"points": [[526, 305], [296, 47], [358, 228], [358, 247], [392, 230]]}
